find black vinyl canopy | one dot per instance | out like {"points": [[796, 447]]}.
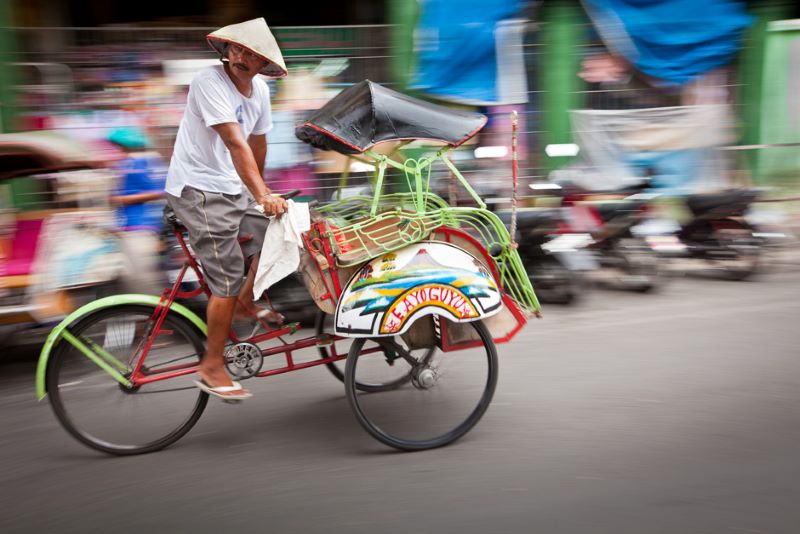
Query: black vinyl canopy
{"points": [[367, 113]]}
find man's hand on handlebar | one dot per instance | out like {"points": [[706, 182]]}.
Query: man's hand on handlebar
{"points": [[273, 204]]}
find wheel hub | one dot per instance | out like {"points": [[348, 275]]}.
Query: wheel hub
{"points": [[425, 378], [129, 389]]}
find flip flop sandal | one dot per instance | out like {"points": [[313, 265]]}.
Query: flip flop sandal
{"points": [[220, 391], [272, 318]]}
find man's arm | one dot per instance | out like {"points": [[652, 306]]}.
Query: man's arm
{"points": [[137, 198], [244, 161], [258, 144]]}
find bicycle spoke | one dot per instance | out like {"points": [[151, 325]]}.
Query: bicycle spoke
{"points": [[448, 391], [118, 416]]}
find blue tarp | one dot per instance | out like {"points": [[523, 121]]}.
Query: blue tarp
{"points": [[673, 40], [456, 56]]}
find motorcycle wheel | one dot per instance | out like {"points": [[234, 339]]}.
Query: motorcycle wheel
{"points": [[553, 282], [742, 250], [639, 264]]}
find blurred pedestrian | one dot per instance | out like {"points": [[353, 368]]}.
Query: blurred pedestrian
{"points": [[139, 198], [221, 146]]}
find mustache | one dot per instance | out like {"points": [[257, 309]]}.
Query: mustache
{"points": [[240, 66]]}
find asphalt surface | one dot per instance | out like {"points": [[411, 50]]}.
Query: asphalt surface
{"points": [[677, 412]]}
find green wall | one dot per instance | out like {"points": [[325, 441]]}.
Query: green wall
{"points": [[557, 73], [754, 81], [779, 121], [7, 104], [403, 18]]}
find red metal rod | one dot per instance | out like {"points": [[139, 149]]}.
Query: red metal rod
{"points": [[298, 366], [161, 311], [140, 379], [312, 363]]}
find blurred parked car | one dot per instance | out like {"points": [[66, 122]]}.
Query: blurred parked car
{"points": [[58, 248]]}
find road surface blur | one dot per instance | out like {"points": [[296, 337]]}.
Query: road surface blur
{"points": [[667, 413]]}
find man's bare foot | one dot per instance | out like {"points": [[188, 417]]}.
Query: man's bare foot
{"points": [[248, 312]]}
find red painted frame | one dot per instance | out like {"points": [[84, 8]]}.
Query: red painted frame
{"points": [[319, 245], [139, 378]]}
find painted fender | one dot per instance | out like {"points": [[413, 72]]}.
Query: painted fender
{"points": [[107, 302], [385, 296]]}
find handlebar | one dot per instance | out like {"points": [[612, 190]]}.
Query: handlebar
{"points": [[286, 196], [291, 194]]}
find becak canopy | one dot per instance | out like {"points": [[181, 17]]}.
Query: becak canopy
{"points": [[254, 35], [367, 114]]}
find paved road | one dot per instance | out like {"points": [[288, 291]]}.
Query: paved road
{"points": [[670, 413]]}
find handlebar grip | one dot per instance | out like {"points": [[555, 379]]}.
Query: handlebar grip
{"points": [[291, 194], [286, 196]]}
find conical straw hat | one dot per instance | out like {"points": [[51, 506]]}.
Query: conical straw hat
{"points": [[254, 35]]}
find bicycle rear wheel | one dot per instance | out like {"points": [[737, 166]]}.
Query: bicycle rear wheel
{"points": [[390, 377], [108, 416], [448, 394]]}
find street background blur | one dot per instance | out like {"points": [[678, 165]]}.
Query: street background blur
{"points": [[607, 95], [673, 411], [84, 68]]}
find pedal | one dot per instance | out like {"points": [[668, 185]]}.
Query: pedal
{"points": [[286, 328]]}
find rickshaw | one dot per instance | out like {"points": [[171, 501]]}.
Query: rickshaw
{"points": [[57, 244], [413, 295]]}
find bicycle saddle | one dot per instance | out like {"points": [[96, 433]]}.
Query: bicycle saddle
{"points": [[172, 219]]}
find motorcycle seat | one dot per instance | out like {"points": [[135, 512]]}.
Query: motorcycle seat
{"points": [[530, 218], [612, 209], [732, 202], [172, 219], [574, 190]]}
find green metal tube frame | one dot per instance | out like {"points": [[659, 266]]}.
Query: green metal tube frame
{"points": [[104, 361], [416, 171], [100, 360], [429, 206]]}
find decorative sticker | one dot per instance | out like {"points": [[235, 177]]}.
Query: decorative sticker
{"points": [[389, 293]]}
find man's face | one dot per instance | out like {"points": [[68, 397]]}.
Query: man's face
{"points": [[244, 62]]}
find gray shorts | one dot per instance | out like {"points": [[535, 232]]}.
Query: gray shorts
{"points": [[215, 221]]}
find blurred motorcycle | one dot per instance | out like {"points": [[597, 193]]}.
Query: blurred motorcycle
{"points": [[717, 233], [555, 262], [609, 217]]}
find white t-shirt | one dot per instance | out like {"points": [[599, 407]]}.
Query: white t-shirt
{"points": [[200, 158]]}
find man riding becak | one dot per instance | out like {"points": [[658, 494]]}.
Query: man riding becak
{"points": [[222, 146]]}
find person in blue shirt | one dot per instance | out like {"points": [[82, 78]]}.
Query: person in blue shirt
{"points": [[140, 202]]}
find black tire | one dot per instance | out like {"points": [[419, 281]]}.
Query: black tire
{"points": [[640, 265], [552, 281], [107, 422], [342, 346], [395, 408], [742, 251]]}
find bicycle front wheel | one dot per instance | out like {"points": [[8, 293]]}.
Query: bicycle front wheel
{"points": [[108, 416], [448, 394]]}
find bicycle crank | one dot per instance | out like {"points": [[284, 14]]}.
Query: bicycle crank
{"points": [[243, 360]]}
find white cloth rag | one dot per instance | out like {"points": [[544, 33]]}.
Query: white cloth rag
{"points": [[280, 253]]}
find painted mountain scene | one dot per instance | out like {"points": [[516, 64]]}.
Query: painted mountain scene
{"points": [[418, 280]]}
